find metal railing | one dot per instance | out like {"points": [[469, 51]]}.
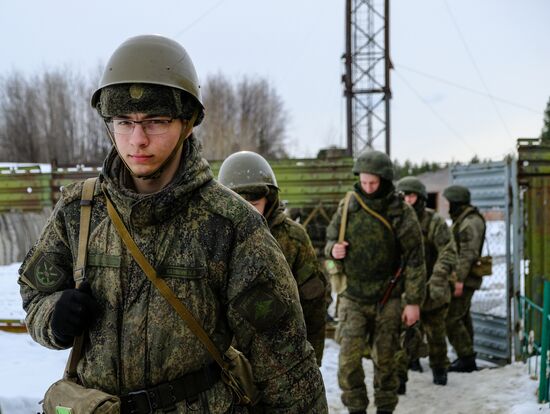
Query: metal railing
{"points": [[530, 314]]}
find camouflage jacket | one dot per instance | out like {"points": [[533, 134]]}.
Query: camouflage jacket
{"points": [[217, 255], [300, 255], [468, 230], [375, 252], [440, 257]]}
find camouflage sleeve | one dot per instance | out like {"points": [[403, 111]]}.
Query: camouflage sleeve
{"points": [[446, 250], [265, 315], [409, 237], [470, 239], [438, 291], [311, 286], [333, 229], [44, 273]]}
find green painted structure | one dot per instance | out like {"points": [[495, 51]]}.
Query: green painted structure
{"points": [[534, 305], [304, 183]]}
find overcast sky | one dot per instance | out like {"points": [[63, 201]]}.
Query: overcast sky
{"points": [[450, 57]]}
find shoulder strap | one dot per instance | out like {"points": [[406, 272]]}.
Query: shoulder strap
{"points": [[372, 212], [343, 222], [431, 226], [79, 271], [163, 288], [472, 210]]}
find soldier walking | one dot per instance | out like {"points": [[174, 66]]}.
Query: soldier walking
{"points": [[251, 176], [382, 239], [440, 257], [205, 243], [468, 230]]}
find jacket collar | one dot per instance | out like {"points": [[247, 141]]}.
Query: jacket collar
{"points": [[142, 210]]}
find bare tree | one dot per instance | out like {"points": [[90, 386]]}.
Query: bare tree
{"points": [[248, 116], [48, 117]]}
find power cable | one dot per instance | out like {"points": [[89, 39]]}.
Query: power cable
{"points": [[198, 19], [436, 114], [465, 88], [472, 60]]}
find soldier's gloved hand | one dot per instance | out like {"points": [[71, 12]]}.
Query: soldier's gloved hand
{"points": [[75, 310]]}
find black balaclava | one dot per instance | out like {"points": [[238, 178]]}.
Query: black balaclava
{"points": [[455, 209]]}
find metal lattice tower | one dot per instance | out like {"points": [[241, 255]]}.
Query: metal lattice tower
{"points": [[367, 74]]}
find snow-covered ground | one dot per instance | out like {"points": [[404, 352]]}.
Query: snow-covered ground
{"points": [[27, 369]]}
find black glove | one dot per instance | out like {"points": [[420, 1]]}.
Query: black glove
{"points": [[75, 310]]}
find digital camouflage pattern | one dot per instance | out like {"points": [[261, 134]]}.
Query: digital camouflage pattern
{"points": [[250, 175], [216, 254], [312, 284], [369, 269], [374, 254], [459, 325], [468, 230], [362, 325], [441, 258]]}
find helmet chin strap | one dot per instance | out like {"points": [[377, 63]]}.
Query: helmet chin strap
{"points": [[156, 174]]}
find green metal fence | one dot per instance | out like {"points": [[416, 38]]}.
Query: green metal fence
{"points": [[528, 312], [304, 183]]}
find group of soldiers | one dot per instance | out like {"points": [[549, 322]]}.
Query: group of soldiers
{"points": [[247, 273], [407, 275]]}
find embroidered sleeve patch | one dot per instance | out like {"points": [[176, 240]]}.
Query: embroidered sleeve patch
{"points": [[44, 273], [261, 308]]}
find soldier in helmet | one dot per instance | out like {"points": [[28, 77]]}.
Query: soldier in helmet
{"points": [[440, 257], [382, 241], [205, 243], [251, 176], [468, 230]]}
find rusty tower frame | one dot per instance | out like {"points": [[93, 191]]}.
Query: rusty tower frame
{"points": [[367, 74]]}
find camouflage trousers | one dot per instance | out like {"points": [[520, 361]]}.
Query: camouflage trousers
{"points": [[433, 326], [358, 325], [460, 330]]}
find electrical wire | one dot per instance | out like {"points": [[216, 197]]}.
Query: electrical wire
{"points": [[436, 114], [474, 64], [198, 19], [465, 88]]}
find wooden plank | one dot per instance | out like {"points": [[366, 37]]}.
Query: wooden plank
{"points": [[13, 325]]}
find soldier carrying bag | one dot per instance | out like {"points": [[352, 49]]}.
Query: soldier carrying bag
{"points": [[235, 367], [66, 396]]}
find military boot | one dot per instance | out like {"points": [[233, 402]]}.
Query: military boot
{"points": [[464, 364], [440, 376], [414, 365], [379, 411], [402, 390], [358, 412]]}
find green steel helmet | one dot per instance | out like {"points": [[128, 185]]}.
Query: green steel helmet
{"points": [[374, 162], [246, 171], [412, 184], [152, 60], [457, 194]]}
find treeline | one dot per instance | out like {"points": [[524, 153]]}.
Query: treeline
{"points": [[47, 117], [402, 169]]}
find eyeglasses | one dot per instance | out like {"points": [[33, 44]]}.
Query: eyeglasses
{"points": [[150, 126]]}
